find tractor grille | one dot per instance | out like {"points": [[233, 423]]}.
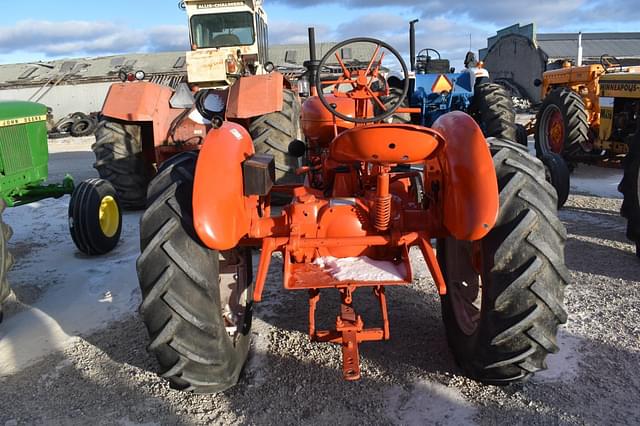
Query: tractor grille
{"points": [[15, 150]]}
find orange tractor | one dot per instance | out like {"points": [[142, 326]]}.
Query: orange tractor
{"points": [[591, 114], [372, 191], [229, 78]]}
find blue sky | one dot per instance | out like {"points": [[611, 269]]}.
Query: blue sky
{"points": [[50, 29]]}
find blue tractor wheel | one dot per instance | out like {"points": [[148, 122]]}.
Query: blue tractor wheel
{"points": [[492, 107]]}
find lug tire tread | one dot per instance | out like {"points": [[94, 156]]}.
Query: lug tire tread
{"points": [[178, 277], [118, 152], [527, 277]]}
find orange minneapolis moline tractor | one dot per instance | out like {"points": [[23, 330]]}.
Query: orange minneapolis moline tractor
{"points": [[591, 114], [372, 191], [145, 123]]}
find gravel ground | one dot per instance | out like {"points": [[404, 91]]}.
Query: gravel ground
{"points": [[107, 377]]}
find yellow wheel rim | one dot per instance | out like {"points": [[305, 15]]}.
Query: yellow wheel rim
{"points": [[109, 216]]}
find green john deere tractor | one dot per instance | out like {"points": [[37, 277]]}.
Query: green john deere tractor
{"points": [[95, 219]]}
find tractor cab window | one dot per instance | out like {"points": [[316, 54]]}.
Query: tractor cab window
{"points": [[222, 30]]}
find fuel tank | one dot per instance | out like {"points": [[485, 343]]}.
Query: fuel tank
{"points": [[317, 120]]}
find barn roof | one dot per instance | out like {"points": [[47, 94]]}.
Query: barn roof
{"points": [[565, 45], [560, 46]]}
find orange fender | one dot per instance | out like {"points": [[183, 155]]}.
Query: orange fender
{"points": [[221, 212], [255, 95], [136, 101], [470, 188], [142, 102]]}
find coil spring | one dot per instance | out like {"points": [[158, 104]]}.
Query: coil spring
{"points": [[383, 213]]}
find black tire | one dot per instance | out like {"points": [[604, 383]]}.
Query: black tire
{"points": [[522, 136], [83, 127], [558, 175], [6, 259], [502, 331], [272, 133], [119, 159], [391, 100], [95, 217], [79, 116], [492, 108], [575, 127], [630, 188], [65, 125], [179, 163], [183, 290]]}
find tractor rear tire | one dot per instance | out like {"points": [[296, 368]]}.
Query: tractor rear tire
{"points": [[6, 259], [119, 159], [196, 302], [272, 133], [558, 175], [505, 293], [95, 217], [163, 178], [492, 108], [630, 188], [571, 115]]}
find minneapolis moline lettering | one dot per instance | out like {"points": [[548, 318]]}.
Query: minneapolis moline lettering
{"points": [[22, 120], [621, 86]]}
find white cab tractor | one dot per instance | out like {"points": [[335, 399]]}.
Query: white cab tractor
{"points": [[228, 39]]}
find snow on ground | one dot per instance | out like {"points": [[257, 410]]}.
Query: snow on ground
{"points": [[361, 269], [72, 294], [565, 364], [591, 180], [597, 181], [428, 400]]}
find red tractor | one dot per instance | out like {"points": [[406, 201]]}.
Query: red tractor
{"points": [[372, 191], [229, 78]]}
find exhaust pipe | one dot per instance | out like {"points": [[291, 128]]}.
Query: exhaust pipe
{"points": [[579, 59], [312, 44], [312, 65], [412, 43]]}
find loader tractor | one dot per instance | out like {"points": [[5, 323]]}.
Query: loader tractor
{"points": [[95, 219], [591, 114], [497, 261], [229, 78]]}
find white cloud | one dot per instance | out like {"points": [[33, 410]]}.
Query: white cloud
{"points": [[448, 36], [78, 38], [550, 15], [290, 32]]}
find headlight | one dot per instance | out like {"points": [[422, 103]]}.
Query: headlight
{"points": [[214, 102], [140, 75], [269, 67]]}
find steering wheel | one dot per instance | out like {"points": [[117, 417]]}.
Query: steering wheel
{"points": [[609, 61], [426, 53], [362, 82]]}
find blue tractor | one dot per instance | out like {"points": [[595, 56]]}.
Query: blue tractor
{"points": [[436, 89]]}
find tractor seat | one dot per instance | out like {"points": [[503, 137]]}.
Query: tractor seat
{"points": [[226, 40], [435, 66], [385, 144]]}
